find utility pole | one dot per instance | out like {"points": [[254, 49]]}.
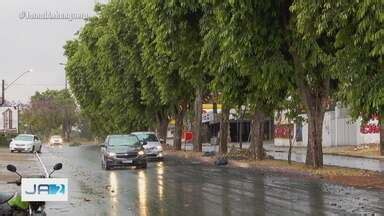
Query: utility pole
{"points": [[3, 88], [66, 81], [66, 123], [2, 93]]}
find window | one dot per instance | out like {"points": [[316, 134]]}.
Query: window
{"points": [[24, 138], [147, 137], [299, 132], [123, 140]]}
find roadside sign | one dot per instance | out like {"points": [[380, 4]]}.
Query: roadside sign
{"points": [[188, 136], [44, 189]]}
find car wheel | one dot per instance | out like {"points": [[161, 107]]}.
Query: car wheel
{"points": [[142, 166], [12, 151], [39, 150], [33, 149], [105, 165]]}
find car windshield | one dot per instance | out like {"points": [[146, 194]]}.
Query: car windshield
{"points": [[56, 137], [24, 138], [123, 140], [147, 137]]}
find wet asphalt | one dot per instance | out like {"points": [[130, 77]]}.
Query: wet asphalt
{"points": [[178, 187]]}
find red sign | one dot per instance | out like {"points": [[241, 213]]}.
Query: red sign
{"points": [[187, 135], [282, 131], [370, 129]]}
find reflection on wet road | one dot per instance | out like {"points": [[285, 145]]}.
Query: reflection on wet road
{"points": [[177, 187]]}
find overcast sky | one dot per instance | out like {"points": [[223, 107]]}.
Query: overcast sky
{"points": [[36, 44]]}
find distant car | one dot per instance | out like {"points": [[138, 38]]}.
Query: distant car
{"points": [[151, 144], [121, 151], [56, 140], [25, 143]]}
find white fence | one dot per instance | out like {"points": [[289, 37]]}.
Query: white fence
{"points": [[338, 130]]}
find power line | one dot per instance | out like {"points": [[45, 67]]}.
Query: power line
{"points": [[39, 84]]}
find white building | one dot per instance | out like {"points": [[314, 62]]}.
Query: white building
{"points": [[338, 130], [9, 119]]}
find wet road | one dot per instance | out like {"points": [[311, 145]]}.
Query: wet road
{"points": [[175, 187]]}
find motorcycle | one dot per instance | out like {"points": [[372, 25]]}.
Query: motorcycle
{"points": [[12, 205]]}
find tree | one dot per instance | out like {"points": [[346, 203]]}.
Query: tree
{"points": [[121, 20], [102, 76], [310, 58], [263, 41], [242, 41], [355, 29], [168, 53], [50, 111]]}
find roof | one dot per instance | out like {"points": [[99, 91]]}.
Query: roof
{"points": [[143, 132], [120, 135], [26, 135]]}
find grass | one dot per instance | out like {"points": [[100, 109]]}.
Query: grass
{"points": [[302, 168], [370, 150]]}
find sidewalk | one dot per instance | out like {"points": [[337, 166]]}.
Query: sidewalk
{"points": [[373, 163], [332, 174], [26, 164]]}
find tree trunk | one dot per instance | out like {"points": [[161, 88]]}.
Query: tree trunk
{"points": [[381, 145], [198, 107], [68, 134], [224, 124], [162, 126], [290, 145], [241, 134], [66, 130], [178, 130], [315, 131], [314, 96], [256, 147], [241, 127]]}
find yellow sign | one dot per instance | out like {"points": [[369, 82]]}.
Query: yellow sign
{"points": [[210, 106]]}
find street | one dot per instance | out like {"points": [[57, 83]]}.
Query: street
{"points": [[249, 107], [176, 187]]}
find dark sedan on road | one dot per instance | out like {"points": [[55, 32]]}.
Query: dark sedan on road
{"points": [[121, 151]]}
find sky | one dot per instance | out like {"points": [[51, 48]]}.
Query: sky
{"points": [[37, 44]]}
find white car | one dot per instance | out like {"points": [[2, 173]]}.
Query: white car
{"points": [[151, 144], [56, 140], [25, 143]]}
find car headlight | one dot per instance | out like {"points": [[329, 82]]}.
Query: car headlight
{"points": [[159, 148], [111, 154], [141, 152]]}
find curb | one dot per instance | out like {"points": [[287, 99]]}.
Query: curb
{"points": [[334, 154], [355, 156]]}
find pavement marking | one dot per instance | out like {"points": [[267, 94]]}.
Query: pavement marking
{"points": [[42, 164]]}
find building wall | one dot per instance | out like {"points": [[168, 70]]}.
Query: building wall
{"points": [[14, 120], [338, 130]]}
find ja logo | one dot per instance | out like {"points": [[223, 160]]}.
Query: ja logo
{"points": [[44, 190], [50, 189]]}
